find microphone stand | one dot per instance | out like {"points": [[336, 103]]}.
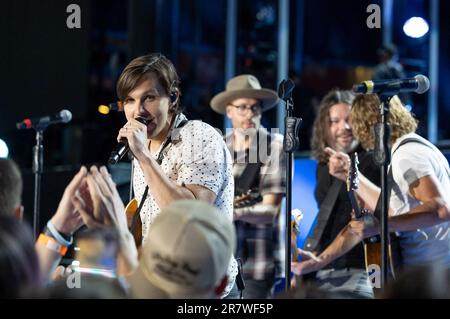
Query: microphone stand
{"points": [[290, 145], [39, 126], [382, 158], [38, 164]]}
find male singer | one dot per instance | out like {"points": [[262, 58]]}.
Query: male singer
{"points": [[175, 158]]}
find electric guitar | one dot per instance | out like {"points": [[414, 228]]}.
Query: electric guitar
{"points": [[134, 221], [372, 245], [252, 197]]}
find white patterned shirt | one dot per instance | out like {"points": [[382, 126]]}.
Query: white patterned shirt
{"points": [[197, 155]]}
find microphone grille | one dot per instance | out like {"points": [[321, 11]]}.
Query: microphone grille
{"points": [[423, 83], [141, 119], [66, 116]]}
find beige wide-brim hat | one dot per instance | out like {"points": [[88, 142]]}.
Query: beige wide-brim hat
{"points": [[244, 86]]}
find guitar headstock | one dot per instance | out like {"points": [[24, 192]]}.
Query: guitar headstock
{"points": [[352, 185], [247, 199], [296, 217], [353, 180]]}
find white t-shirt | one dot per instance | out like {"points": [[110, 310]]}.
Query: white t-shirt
{"points": [[197, 155], [409, 163]]}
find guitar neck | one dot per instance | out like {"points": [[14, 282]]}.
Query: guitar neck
{"points": [[352, 185], [354, 203], [247, 199]]}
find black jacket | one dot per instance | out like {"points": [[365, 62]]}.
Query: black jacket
{"points": [[340, 216]]}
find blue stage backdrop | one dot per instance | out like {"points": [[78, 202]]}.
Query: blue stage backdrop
{"points": [[303, 196]]}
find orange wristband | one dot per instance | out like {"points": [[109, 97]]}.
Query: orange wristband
{"points": [[52, 244]]}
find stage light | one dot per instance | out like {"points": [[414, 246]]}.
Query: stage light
{"points": [[416, 27], [106, 109], [4, 152], [103, 109]]}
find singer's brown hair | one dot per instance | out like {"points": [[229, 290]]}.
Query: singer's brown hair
{"points": [[365, 113], [321, 128], [157, 64]]}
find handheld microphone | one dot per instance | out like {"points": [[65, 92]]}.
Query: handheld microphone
{"points": [[42, 122], [418, 84], [122, 147]]}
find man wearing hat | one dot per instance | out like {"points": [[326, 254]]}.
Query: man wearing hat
{"points": [[259, 172]]}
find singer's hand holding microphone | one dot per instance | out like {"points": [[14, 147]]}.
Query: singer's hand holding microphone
{"points": [[133, 136]]}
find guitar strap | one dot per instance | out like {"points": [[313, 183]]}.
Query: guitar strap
{"points": [[250, 176], [168, 141], [324, 214]]}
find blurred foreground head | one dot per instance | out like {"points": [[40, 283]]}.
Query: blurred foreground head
{"points": [[187, 253]]}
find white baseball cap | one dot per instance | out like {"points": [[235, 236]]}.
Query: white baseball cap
{"points": [[186, 254]]}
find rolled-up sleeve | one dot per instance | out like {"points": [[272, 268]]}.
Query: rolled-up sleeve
{"points": [[204, 157]]}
